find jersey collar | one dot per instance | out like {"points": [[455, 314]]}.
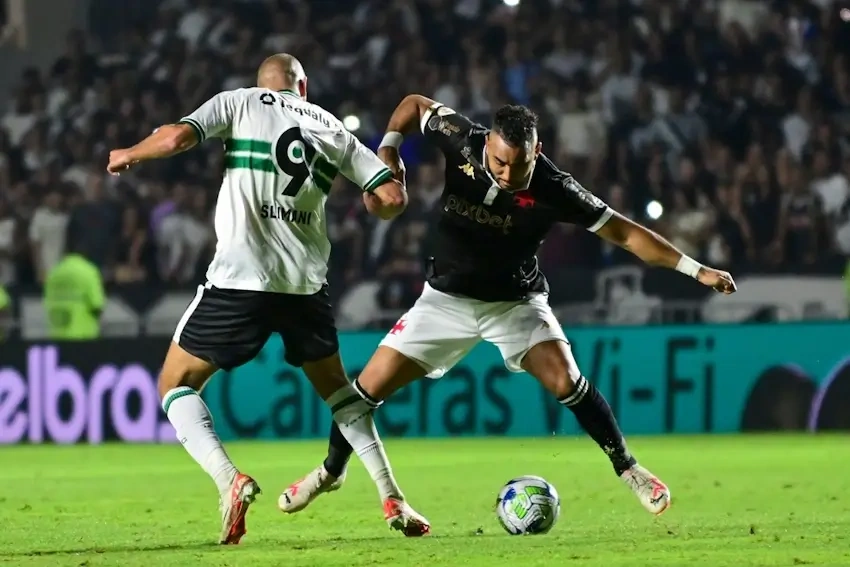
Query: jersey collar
{"points": [[289, 92]]}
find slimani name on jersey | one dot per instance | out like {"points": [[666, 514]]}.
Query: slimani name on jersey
{"points": [[277, 212], [282, 155]]}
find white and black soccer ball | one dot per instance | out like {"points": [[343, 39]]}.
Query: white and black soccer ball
{"points": [[528, 505]]}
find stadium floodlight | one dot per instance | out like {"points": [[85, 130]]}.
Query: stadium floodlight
{"points": [[351, 123]]}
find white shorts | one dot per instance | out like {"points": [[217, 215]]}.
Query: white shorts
{"points": [[440, 329]]}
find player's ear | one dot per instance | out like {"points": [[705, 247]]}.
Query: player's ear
{"points": [[538, 149]]}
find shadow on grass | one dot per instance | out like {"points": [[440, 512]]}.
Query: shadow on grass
{"points": [[299, 544]]}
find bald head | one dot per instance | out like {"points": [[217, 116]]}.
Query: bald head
{"points": [[282, 72]]}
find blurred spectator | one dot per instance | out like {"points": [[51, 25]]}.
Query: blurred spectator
{"points": [[135, 259], [20, 118], [346, 234], [74, 298], [10, 243], [93, 225], [5, 313], [731, 243], [47, 232], [730, 120], [798, 236], [183, 235], [690, 222]]}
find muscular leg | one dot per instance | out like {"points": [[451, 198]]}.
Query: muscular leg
{"points": [[182, 378], [328, 376], [438, 330], [352, 406], [180, 382], [354, 431], [387, 371], [552, 363]]}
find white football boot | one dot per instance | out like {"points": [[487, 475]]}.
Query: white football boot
{"points": [[652, 493], [400, 516], [234, 505], [302, 492]]}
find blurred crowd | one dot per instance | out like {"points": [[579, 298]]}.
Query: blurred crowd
{"points": [[724, 124]]}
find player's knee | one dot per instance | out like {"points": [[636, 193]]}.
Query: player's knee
{"points": [[181, 369], [569, 376], [560, 380], [179, 379], [552, 363], [327, 375]]}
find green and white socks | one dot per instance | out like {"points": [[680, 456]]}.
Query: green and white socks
{"points": [[193, 423]]}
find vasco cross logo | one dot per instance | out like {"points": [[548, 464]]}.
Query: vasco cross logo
{"points": [[467, 169]]}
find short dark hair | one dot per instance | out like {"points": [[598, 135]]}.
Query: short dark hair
{"points": [[515, 123]]}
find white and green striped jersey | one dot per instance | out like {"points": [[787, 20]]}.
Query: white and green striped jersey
{"points": [[281, 157]]}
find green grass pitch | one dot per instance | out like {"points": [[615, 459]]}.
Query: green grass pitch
{"points": [[738, 501]]}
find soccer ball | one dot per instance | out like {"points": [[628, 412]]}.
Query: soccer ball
{"points": [[528, 505]]}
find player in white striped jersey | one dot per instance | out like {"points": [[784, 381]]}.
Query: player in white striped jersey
{"points": [[268, 273]]}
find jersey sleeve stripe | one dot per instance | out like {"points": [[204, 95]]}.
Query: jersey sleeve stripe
{"points": [[197, 127], [249, 162], [377, 180], [605, 217], [255, 146]]}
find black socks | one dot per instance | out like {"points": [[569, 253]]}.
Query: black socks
{"points": [[339, 452], [596, 418]]}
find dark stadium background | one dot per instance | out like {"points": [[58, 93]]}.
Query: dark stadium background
{"points": [[723, 125]]}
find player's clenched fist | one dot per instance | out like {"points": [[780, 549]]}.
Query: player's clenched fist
{"points": [[119, 160], [717, 279]]}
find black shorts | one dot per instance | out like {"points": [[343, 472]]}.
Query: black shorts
{"points": [[229, 327]]}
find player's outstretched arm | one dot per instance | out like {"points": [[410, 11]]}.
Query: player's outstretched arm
{"points": [[165, 141], [209, 120], [653, 249]]}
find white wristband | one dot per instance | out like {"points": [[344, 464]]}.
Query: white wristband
{"points": [[688, 266], [392, 140]]}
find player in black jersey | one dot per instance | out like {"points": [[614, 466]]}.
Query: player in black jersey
{"points": [[501, 197]]}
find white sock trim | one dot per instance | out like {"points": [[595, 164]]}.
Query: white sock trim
{"points": [[342, 394], [582, 387]]}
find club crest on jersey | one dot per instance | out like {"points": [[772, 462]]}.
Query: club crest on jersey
{"points": [[524, 199], [442, 126], [467, 169]]}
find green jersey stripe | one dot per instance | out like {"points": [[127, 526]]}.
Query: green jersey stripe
{"points": [[377, 180], [248, 154], [196, 127], [249, 162], [323, 183], [326, 168], [257, 146]]}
